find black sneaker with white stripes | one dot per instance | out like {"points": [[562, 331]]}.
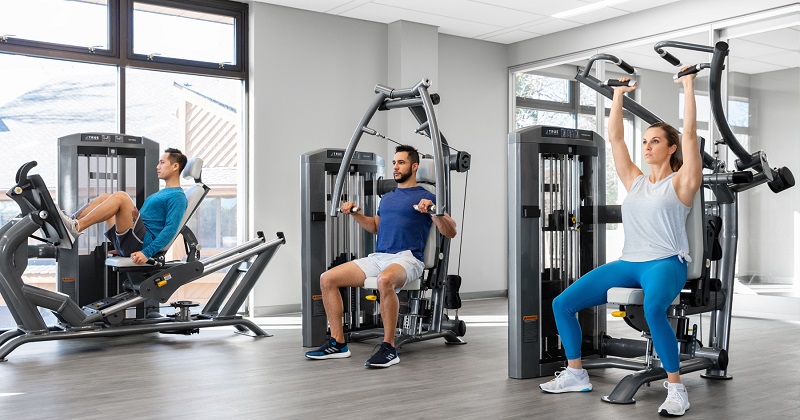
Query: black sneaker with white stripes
{"points": [[330, 350], [384, 357]]}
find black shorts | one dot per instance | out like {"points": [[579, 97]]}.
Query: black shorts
{"points": [[130, 241]]}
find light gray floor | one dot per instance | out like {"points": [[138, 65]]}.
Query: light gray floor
{"points": [[218, 374]]}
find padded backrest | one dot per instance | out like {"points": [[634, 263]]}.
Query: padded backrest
{"points": [[426, 177], [429, 254], [694, 230], [194, 194], [425, 172]]}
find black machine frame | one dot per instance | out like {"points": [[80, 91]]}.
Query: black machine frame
{"points": [[107, 317]]}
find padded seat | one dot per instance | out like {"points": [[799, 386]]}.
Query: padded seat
{"points": [[694, 230], [372, 283], [630, 296], [426, 178], [194, 196]]}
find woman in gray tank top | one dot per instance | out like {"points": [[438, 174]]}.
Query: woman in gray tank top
{"points": [[655, 252]]}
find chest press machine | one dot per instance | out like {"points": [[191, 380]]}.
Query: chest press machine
{"points": [[422, 316], [155, 281], [712, 229]]}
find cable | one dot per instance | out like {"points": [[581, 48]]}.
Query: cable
{"points": [[463, 212], [376, 133]]}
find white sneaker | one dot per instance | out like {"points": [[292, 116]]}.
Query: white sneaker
{"points": [[566, 381], [70, 224], [677, 401]]}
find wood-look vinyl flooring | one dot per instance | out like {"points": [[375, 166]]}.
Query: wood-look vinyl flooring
{"points": [[218, 374]]}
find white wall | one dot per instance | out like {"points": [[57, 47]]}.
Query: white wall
{"points": [[473, 117], [771, 237], [312, 78]]}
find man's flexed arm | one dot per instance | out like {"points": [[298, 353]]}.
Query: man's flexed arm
{"points": [[370, 224], [445, 223]]}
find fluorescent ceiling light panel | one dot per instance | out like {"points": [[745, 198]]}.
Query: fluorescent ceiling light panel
{"points": [[588, 8]]}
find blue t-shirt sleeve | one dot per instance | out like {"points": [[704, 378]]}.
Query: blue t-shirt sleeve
{"points": [[176, 205]]}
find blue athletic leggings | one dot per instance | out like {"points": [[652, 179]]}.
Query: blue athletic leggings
{"points": [[661, 281]]}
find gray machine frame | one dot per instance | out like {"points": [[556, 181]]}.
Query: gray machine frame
{"points": [[555, 235], [329, 241], [426, 319], [713, 292], [91, 164]]}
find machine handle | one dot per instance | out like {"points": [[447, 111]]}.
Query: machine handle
{"points": [[615, 82], [691, 70], [627, 67], [155, 262], [431, 209], [354, 209], [669, 57], [22, 172], [607, 57]]}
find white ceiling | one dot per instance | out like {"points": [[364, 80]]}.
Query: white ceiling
{"points": [[501, 21], [752, 54], [509, 21]]}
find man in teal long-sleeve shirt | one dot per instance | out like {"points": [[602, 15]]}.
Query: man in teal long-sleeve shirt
{"points": [[137, 234]]}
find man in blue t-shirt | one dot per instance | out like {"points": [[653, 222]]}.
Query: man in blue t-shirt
{"points": [[137, 234], [402, 231]]}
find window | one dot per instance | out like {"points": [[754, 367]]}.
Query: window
{"points": [[43, 99], [44, 21], [739, 113], [189, 35], [703, 107], [543, 88], [201, 116], [527, 117], [66, 65]]}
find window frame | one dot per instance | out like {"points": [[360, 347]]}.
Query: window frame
{"points": [[238, 11], [120, 15]]}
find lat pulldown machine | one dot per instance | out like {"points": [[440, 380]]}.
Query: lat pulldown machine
{"points": [[713, 224]]}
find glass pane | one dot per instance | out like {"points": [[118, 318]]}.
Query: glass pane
{"points": [[40, 101], [588, 96], [77, 23], [44, 99], [177, 33], [615, 190], [763, 87], [738, 113], [526, 117], [544, 88], [703, 106], [202, 116], [587, 122]]}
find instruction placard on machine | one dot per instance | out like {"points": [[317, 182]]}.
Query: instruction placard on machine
{"points": [[530, 329], [317, 306]]}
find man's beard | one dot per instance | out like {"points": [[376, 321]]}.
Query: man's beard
{"points": [[402, 178]]}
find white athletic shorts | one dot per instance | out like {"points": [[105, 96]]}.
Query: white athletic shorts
{"points": [[373, 264]]}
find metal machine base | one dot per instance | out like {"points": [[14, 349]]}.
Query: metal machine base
{"points": [[626, 388], [15, 338]]}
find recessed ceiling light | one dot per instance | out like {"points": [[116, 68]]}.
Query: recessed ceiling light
{"points": [[588, 8]]}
